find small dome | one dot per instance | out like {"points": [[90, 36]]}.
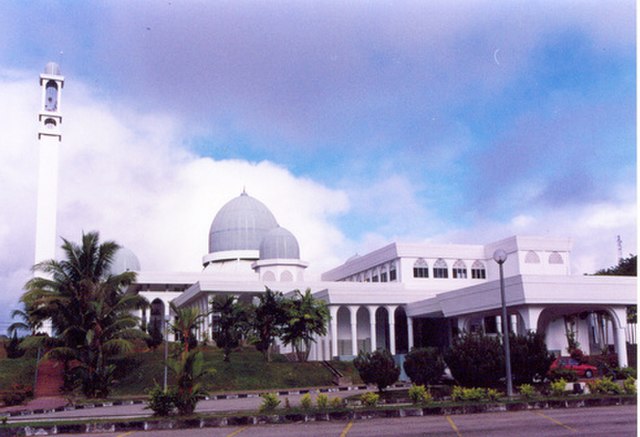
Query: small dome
{"points": [[52, 68], [124, 260], [279, 243], [241, 224]]}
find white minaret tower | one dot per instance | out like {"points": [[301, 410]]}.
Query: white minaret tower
{"points": [[49, 139]]}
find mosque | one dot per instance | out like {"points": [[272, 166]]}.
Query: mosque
{"points": [[397, 297]]}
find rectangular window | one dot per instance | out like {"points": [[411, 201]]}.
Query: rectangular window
{"points": [[383, 277], [392, 275], [478, 274], [421, 272], [374, 279], [460, 273], [440, 272]]}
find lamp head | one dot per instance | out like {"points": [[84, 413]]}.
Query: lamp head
{"points": [[500, 256]]}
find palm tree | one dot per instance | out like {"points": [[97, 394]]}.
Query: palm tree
{"points": [[308, 316], [232, 323], [186, 321], [90, 312]]}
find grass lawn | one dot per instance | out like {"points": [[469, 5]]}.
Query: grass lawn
{"points": [[17, 371]]}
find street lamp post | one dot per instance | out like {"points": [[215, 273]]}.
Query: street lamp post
{"points": [[166, 349], [500, 256]]}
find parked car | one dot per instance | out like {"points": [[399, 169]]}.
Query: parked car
{"points": [[582, 370]]}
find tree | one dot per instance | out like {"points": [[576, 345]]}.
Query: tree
{"points": [[27, 323], [269, 318], [626, 267], [91, 314], [377, 368], [231, 323], [189, 370], [307, 317], [530, 358], [13, 347], [424, 366], [476, 360], [186, 321]]}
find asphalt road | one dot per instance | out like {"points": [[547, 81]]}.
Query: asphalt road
{"points": [[618, 421]]}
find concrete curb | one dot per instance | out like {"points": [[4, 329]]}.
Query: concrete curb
{"points": [[280, 418]]}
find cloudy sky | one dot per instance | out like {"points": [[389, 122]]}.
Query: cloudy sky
{"points": [[358, 123]]}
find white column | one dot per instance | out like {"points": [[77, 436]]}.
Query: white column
{"points": [[530, 316], [353, 313], [410, 333], [372, 322], [327, 347], [333, 310], [391, 309], [621, 346]]}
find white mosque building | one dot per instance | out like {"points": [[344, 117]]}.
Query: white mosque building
{"points": [[397, 297]]}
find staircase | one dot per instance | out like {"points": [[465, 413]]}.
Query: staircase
{"points": [[338, 377], [50, 379]]}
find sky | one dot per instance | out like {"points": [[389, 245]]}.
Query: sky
{"points": [[357, 123]]}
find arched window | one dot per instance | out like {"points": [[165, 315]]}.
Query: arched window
{"points": [[440, 269], [555, 258], [532, 258], [268, 276], [420, 269], [286, 276], [460, 270], [478, 270]]}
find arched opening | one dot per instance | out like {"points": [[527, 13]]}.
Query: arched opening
{"points": [[363, 330], [382, 328], [344, 331], [156, 318], [402, 341]]}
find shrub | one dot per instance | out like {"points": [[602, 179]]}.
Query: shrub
{"points": [[17, 395], [558, 387], [530, 358], [625, 372], [566, 374], [629, 386], [527, 391], [493, 394], [305, 401], [161, 402], [13, 347], [370, 399], [270, 402], [377, 368], [424, 366], [604, 385], [469, 394], [419, 394], [476, 360], [322, 401], [337, 403]]}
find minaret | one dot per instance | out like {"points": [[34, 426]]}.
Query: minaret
{"points": [[49, 139]]}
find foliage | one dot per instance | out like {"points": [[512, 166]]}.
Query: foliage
{"points": [[493, 394], [28, 322], [370, 399], [629, 386], [567, 375], [322, 401], [13, 347], [337, 402], [306, 402], [604, 385], [530, 358], [232, 322], [270, 402], [269, 318], [468, 394], [377, 368], [90, 312], [626, 267], [419, 394], [625, 373], [189, 371], [527, 391], [155, 336], [184, 325], [424, 366], [578, 355], [306, 317], [161, 402], [476, 360], [558, 387], [17, 395]]}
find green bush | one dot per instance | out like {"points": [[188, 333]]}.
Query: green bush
{"points": [[527, 391], [566, 374], [469, 394], [476, 360], [530, 358], [424, 366], [493, 394], [370, 399], [322, 401], [306, 402], [625, 372], [17, 395], [604, 385], [337, 403], [270, 402], [161, 402], [558, 387], [419, 394], [377, 368], [629, 386]]}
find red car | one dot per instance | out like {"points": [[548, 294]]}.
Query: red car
{"points": [[583, 370]]}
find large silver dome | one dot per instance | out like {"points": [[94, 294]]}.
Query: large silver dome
{"points": [[241, 224], [279, 243], [124, 260]]}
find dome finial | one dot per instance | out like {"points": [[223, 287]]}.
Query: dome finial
{"points": [[244, 190]]}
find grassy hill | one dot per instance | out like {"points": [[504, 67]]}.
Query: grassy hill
{"points": [[246, 371]]}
